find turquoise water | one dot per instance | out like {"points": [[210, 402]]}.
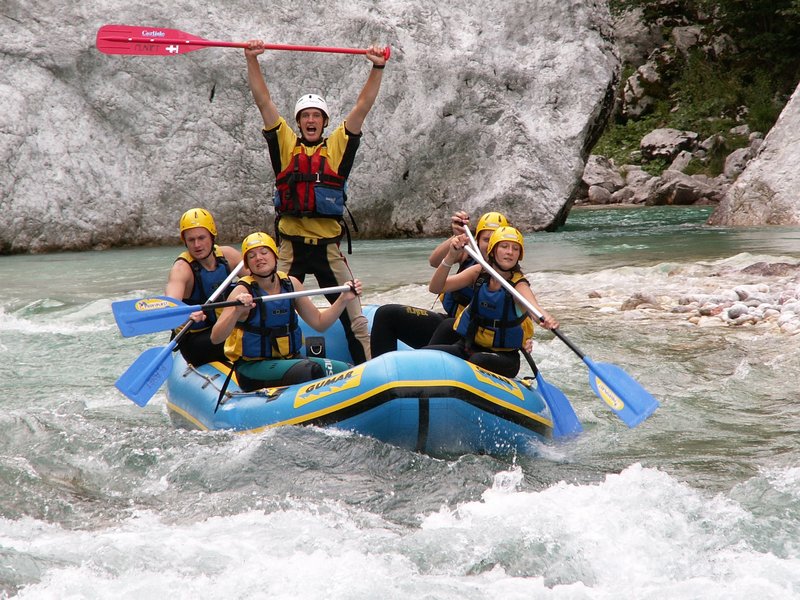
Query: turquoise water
{"points": [[102, 499]]}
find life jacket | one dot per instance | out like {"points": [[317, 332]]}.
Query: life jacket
{"points": [[205, 283], [455, 302], [308, 187], [271, 329], [492, 321]]}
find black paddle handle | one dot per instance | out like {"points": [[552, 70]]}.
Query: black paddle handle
{"points": [[568, 342], [529, 359]]}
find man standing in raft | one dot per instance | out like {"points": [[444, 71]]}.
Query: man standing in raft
{"points": [[310, 175]]}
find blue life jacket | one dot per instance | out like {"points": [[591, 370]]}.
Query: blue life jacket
{"points": [[271, 329], [205, 283], [492, 321]]}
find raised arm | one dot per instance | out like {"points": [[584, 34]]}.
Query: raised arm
{"points": [[258, 86], [355, 120], [442, 281], [457, 224]]}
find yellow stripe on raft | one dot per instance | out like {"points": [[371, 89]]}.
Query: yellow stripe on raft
{"points": [[415, 383], [186, 415], [350, 379]]}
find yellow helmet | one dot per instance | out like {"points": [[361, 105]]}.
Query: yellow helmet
{"points": [[506, 234], [490, 221], [259, 239], [198, 217]]}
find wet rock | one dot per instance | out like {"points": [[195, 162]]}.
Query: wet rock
{"points": [[710, 310], [684, 309], [640, 300], [775, 302], [745, 292], [771, 269], [737, 310]]}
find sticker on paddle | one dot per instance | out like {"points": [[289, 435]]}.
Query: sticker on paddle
{"points": [[623, 394], [146, 41]]}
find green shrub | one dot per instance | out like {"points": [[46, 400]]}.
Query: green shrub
{"points": [[710, 95]]}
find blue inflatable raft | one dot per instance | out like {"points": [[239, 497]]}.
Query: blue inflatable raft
{"points": [[421, 400]]}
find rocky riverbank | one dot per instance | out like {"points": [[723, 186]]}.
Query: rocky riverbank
{"points": [[750, 177], [769, 299]]}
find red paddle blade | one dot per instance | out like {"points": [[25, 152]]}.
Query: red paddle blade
{"points": [[149, 41]]}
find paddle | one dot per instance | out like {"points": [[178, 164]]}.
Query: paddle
{"points": [[565, 421], [158, 41], [151, 369], [623, 394], [160, 313]]}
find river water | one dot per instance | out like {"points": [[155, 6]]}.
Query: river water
{"points": [[102, 499]]}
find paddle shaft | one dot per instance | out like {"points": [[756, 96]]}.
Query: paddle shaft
{"points": [[214, 295], [144, 41], [221, 44], [529, 360], [623, 394], [476, 255], [338, 289], [166, 351]]}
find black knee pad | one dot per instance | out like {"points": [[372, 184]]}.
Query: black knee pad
{"points": [[305, 370]]}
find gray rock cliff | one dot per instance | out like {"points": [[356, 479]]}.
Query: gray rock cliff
{"points": [[766, 193], [483, 105]]}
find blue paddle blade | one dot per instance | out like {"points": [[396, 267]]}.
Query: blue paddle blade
{"points": [[565, 421], [143, 378], [148, 315], [621, 392]]}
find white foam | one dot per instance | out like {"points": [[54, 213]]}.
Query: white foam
{"points": [[636, 534]]}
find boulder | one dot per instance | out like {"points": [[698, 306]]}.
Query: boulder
{"points": [[766, 191], [635, 37], [473, 114], [667, 143]]}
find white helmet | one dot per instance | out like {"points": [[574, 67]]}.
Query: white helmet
{"points": [[311, 101]]}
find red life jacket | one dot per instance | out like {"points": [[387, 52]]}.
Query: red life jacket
{"points": [[308, 187]]}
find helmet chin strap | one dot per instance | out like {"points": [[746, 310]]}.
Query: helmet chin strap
{"points": [[270, 275], [493, 262]]}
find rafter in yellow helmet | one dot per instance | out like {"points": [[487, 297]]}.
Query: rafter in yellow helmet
{"points": [[198, 217], [490, 221], [506, 234], [259, 239]]}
